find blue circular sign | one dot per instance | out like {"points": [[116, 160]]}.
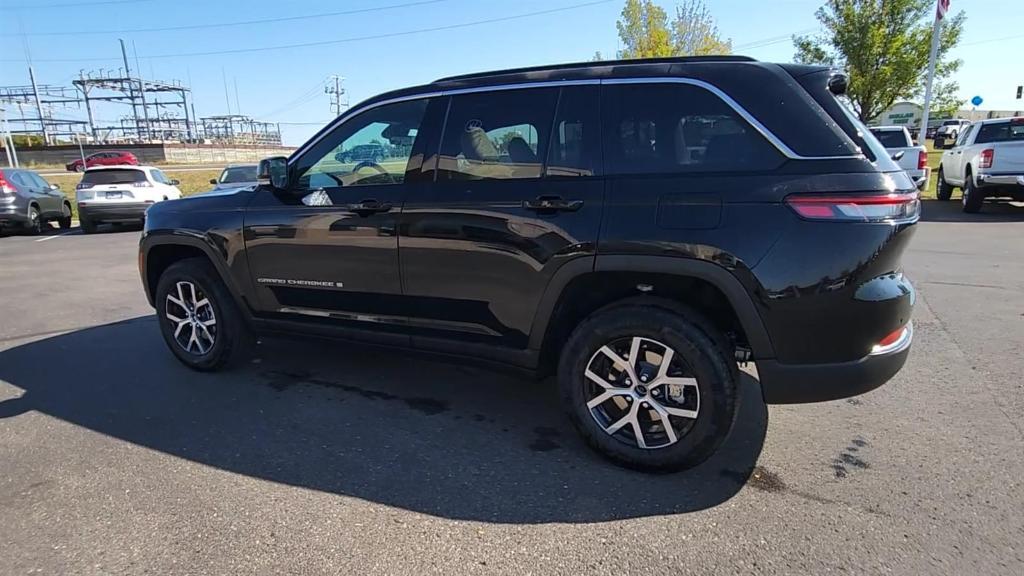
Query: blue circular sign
{"points": [[977, 100]]}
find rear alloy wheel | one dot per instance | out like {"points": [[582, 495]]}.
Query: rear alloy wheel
{"points": [[649, 387], [973, 198], [198, 318], [944, 190], [35, 221]]}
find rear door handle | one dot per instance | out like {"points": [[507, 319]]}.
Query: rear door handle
{"points": [[552, 204], [370, 206]]}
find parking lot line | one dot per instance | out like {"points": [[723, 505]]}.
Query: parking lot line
{"points": [[55, 236]]}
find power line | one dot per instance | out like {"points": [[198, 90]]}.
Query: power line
{"points": [[72, 4], [239, 22], [341, 40]]}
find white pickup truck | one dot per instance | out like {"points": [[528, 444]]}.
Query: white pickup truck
{"points": [[908, 154], [987, 161]]}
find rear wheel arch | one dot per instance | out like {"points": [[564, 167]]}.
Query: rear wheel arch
{"points": [[677, 284]]}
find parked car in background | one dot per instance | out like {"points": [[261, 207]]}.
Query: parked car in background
{"points": [[121, 194], [362, 153], [704, 224], [28, 201], [949, 131], [110, 158], [987, 161], [235, 176], [910, 155]]}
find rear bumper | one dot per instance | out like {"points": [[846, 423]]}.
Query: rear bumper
{"points": [[113, 212], [12, 214], [1000, 179], [800, 383]]}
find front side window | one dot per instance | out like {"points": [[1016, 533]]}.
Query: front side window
{"points": [[497, 135], [673, 128], [158, 176], [962, 139], [372, 148]]}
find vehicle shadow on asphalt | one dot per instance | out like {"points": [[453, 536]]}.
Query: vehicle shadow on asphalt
{"points": [[389, 427], [952, 211]]}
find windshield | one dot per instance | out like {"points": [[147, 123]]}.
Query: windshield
{"points": [[892, 138], [238, 174], [113, 177], [1001, 132]]}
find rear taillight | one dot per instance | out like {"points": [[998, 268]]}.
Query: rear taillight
{"points": [[922, 160], [83, 186], [5, 186], [856, 207], [986, 158]]}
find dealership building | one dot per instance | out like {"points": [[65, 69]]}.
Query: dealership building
{"points": [[909, 114]]}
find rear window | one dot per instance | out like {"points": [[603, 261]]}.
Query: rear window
{"points": [[239, 174], [1001, 132], [113, 177], [892, 138], [673, 128]]}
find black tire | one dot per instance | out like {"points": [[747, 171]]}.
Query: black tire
{"points": [[65, 217], [973, 198], [695, 342], [231, 335], [88, 225], [944, 190], [35, 221]]}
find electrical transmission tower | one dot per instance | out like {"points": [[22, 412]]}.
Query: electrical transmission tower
{"points": [[336, 92]]}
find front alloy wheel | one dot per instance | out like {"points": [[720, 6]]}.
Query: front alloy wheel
{"points": [[641, 392], [195, 322]]}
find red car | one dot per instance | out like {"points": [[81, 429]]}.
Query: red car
{"points": [[112, 158]]}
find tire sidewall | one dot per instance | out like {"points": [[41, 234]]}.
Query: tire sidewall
{"points": [[190, 271], [715, 382], [35, 221]]}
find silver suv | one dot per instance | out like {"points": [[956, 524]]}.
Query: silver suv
{"points": [[27, 201]]}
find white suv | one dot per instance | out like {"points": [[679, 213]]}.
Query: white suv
{"points": [[121, 194]]}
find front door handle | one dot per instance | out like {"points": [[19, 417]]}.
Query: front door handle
{"points": [[370, 206], [550, 204]]}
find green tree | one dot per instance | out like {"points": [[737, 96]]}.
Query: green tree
{"points": [[694, 32], [645, 31], [883, 45]]}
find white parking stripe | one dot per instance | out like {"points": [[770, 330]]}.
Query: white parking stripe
{"points": [[54, 236]]}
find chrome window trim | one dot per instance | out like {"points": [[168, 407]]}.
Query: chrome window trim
{"points": [[739, 109]]}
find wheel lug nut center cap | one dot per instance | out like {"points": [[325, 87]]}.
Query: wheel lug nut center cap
{"points": [[641, 389]]}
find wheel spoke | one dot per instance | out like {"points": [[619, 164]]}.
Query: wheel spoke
{"points": [[691, 414], [176, 301], [206, 332], [619, 361], [622, 421], [174, 318], [666, 359], [634, 352], [192, 289], [177, 329], [638, 432], [597, 379], [666, 422], [210, 322], [181, 296], [603, 397], [201, 303]]}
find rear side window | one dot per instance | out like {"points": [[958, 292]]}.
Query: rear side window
{"points": [[1001, 132], [678, 128], [892, 138], [113, 177], [576, 134], [497, 135]]}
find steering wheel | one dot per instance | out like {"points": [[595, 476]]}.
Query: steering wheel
{"points": [[375, 166]]}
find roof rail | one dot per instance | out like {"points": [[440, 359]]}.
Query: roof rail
{"points": [[598, 64]]}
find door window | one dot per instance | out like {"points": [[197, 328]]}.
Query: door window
{"points": [[21, 180], [497, 135], [576, 139], [962, 140], [38, 181], [679, 128], [159, 177], [372, 148]]}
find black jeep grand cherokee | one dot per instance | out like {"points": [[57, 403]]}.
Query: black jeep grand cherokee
{"points": [[636, 227]]}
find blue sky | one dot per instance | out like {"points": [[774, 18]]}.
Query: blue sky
{"points": [[285, 85]]}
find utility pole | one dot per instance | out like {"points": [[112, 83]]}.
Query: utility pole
{"points": [[336, 92], [131, 90], [39, 106], [88, 105], [12, 154], [941, 7]]}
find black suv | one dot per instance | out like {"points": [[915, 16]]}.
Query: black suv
{"points": [[637, 228]]}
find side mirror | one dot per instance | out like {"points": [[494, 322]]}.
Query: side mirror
{"points": [[273, 172], [54, 186], [213, 180], [175, 182], [898, 155]]}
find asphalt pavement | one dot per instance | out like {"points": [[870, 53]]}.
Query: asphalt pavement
{"points": [[324, 457]]}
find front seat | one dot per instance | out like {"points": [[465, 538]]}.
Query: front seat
{"points": [[520, 152]]}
